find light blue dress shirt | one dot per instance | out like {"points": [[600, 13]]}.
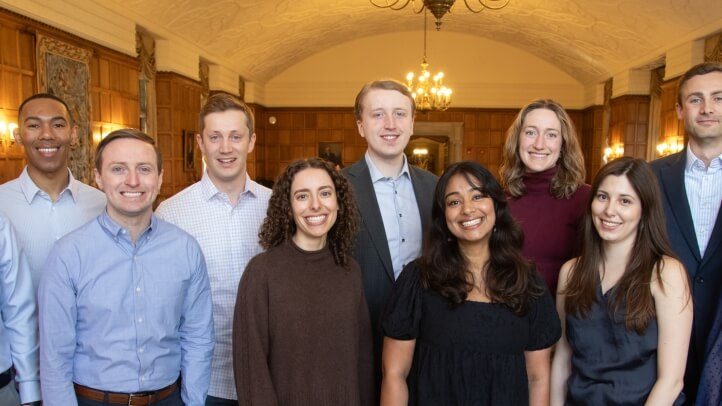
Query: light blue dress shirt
{"points": [[39, 221], [228, 236], [400, 213], [125, 318], [18, 316], [704, 194]]}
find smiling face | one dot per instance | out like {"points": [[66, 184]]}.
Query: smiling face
{"points": [[540, 141], [315, 206], [46, 133], [616, 210], [130, 178], [470, 214], [225, 143], [701, 107], [387, 122]]}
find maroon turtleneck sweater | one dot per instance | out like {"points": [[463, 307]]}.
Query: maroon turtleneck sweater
{"points": [[551, 226]]}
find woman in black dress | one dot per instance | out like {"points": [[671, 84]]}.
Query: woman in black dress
{"points": [[625, 302], [470, 322]]}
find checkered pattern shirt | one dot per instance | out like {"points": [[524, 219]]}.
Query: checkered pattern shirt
{"points": [[228, 236]]}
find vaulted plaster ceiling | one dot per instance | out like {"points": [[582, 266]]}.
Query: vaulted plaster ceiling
{"points": [[591, 40]]}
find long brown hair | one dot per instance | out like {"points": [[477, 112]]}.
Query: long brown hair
{"points": [[632, 293], [509, 276], [279, 225], [571, 171]]}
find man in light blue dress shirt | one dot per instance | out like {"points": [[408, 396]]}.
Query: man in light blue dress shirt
{"points": [[46, 202], [125, 303], [223, 212], [18, 323]]}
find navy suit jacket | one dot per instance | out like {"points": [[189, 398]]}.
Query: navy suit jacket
{"points": [[705, 272]]}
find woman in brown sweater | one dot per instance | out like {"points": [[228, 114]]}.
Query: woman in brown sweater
{"points": [[301, 330]]}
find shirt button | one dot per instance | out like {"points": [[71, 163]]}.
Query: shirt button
{"points": [[140, 319], [137, 289], [141, 349], [401, 215], [403, 240], [700, 279]]}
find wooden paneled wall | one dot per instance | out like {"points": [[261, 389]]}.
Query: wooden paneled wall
{"points": [[178, 103], [17, 81], [113, 87], [592, 138], [671, 128], [630, 124]]}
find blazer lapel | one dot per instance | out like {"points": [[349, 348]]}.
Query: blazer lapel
{"points": [[371, 213], [675, 193]]}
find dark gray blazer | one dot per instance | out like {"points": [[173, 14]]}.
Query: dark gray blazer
{"points": [[371, 249], [705, 272]]}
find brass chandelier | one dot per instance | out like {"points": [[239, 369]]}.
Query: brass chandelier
{"points": [[428, 92], [440, 7]]}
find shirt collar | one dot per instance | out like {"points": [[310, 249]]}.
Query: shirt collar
{"points": [[116, 230], [209, 190], [376, 174], [693, 161], [30, 189]]}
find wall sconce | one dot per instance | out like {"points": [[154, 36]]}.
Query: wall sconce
{"points": [[6, 133], [670, 146], [421, 151], [613, 152]]}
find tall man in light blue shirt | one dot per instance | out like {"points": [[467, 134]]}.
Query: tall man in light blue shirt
{"points": [[223, 212], [125, 303], [45, 202], [691, 184], [18, 323], [394, 198]]}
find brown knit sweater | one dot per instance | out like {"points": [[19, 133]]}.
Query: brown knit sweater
{"points": [[301, 331]]}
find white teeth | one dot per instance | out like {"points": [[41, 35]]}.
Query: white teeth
{"points": [[131, 194], [315, 219], [389, 137], [471, 223], [47, 150], [609, 223], [226, 161]]}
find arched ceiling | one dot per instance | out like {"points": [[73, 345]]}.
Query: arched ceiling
{"points": [[591, 40]]}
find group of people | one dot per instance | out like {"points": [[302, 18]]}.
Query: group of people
{"points": [[378, 283]]}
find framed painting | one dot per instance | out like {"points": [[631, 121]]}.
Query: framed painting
{"points": [[332, 152]]}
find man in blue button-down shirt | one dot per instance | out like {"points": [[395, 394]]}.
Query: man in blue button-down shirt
{"points": [[125, 304], [18, 323]]}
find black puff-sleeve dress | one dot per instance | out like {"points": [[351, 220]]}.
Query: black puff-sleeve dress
{"points": [[469, 355]]}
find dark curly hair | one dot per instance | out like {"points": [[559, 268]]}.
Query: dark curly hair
{"points": [[279, 225], [509, 277]]}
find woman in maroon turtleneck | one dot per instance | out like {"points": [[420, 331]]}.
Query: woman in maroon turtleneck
{"points": [[542, 171]]}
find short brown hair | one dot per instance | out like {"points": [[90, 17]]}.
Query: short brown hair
{"points": [[386, 84], [571, 171], [49, 96], [221, 102], [126, 133], [699, 69]]}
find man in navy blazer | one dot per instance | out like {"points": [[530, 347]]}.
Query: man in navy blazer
{"points": [[691, 183], [394, 198]]}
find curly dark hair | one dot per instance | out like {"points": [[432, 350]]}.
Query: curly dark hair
{"points": [[279, 225], [509, 277]]}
